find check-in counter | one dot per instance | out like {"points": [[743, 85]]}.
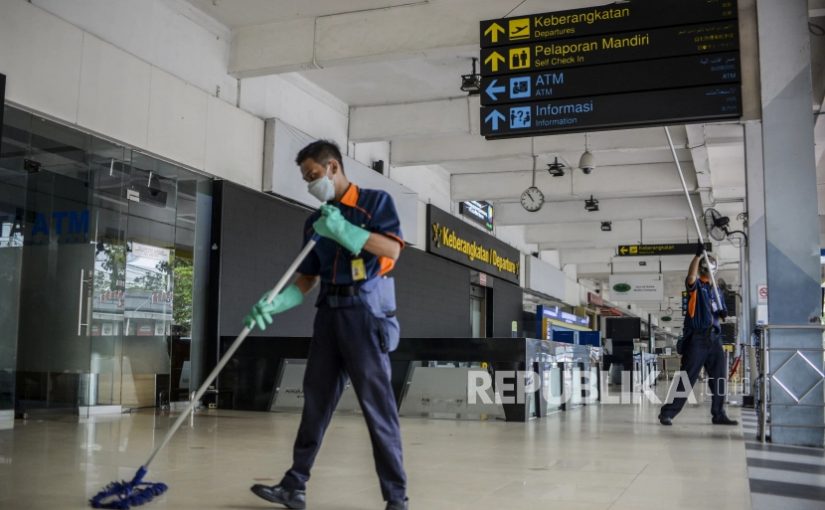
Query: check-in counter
{"points": [[645, 364], [265, 374], [574, 377]]}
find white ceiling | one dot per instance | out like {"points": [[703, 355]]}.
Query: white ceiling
{"points": [[409, 80], [240, 13], [374, 58]]}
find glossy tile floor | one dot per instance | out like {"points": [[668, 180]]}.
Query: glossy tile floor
{"points": [[598, 457]]}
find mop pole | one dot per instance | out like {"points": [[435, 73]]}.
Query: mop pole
{"points": [[695, 220], [232, 348]]}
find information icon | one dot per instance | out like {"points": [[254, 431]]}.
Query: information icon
{"points": [[520, 117]]}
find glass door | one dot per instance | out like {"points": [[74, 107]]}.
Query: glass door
{"points": [[109, 165], [149, 291], [56, 266]]}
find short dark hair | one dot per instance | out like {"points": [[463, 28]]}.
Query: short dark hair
{"points": [[321, 151]]}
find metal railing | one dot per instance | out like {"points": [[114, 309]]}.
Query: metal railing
{"points": [[766, 375]]}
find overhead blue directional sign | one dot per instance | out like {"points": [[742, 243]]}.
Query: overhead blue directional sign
{"points": [[634, 63], [679, 72], [613, 110]]}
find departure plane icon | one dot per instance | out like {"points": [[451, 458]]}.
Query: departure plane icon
{"points": [[519, 29]]}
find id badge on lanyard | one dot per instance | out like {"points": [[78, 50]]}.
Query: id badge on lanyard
{"points": [[359, 270]]}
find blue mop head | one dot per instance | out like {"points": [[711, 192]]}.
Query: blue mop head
{"points": [[124, 495]]}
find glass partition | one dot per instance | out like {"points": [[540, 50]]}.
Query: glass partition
{"points": [[100, 246]]}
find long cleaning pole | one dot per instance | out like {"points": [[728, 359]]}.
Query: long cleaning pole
{"points": [[232, 348], [695, 220]]}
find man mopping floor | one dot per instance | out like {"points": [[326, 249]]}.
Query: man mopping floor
{"points": [[355, 326], [701, 342]]}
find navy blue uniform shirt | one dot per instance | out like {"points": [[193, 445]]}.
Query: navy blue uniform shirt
{"points": [[700, 315], [373, 210]]}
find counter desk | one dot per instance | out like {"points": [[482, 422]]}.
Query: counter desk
{"points": [[266, 372]]}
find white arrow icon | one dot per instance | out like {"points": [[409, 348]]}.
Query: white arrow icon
{"points": [[494, 117], [492, 90]]}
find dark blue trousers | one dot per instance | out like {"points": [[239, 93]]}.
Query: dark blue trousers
{"points": [[702, 350], [346, 341]]}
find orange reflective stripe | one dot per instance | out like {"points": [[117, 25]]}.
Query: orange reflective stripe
{"points": [[386, 265], [350, 198], [692, 304]]}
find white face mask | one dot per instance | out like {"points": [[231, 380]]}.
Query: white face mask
{"points": [[322, 188], [713, 267]]}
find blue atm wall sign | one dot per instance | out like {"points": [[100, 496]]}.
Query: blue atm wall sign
{"points": [[67, 227]]}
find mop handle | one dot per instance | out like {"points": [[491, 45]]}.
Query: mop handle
{"points": [[232, 348], [695, 220]]}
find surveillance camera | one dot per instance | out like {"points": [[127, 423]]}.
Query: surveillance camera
{"points": [[587, 162]]}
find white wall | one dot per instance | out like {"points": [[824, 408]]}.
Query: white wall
{"points": [[369, 152], [298, 102], [514, 236], [80, 79], [172, 35]]}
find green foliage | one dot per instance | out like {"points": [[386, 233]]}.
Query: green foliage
{"points": [[183, 288]]}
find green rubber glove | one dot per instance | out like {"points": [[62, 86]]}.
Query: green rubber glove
{"points": [[261, 314], [334, 226]]}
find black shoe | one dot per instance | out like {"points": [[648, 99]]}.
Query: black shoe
{"points": [[665, 420], [724, 420], [277, 494], [398, 505]]}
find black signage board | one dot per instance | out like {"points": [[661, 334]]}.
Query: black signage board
{"points": [[479, 211], [2, 105], [603, 19], [654, 250], [611, 48], [612, 111], [677, 72], [453, 239]]}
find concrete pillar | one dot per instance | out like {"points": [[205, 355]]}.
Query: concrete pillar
{"points": [[791, 222], [755, 182]]}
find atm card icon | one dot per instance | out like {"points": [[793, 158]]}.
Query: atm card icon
{"points": [[520, 87]]}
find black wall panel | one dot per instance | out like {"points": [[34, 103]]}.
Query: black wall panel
{"points": [[2, 104], [433, 296], [507, 307], [259, 237]]}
